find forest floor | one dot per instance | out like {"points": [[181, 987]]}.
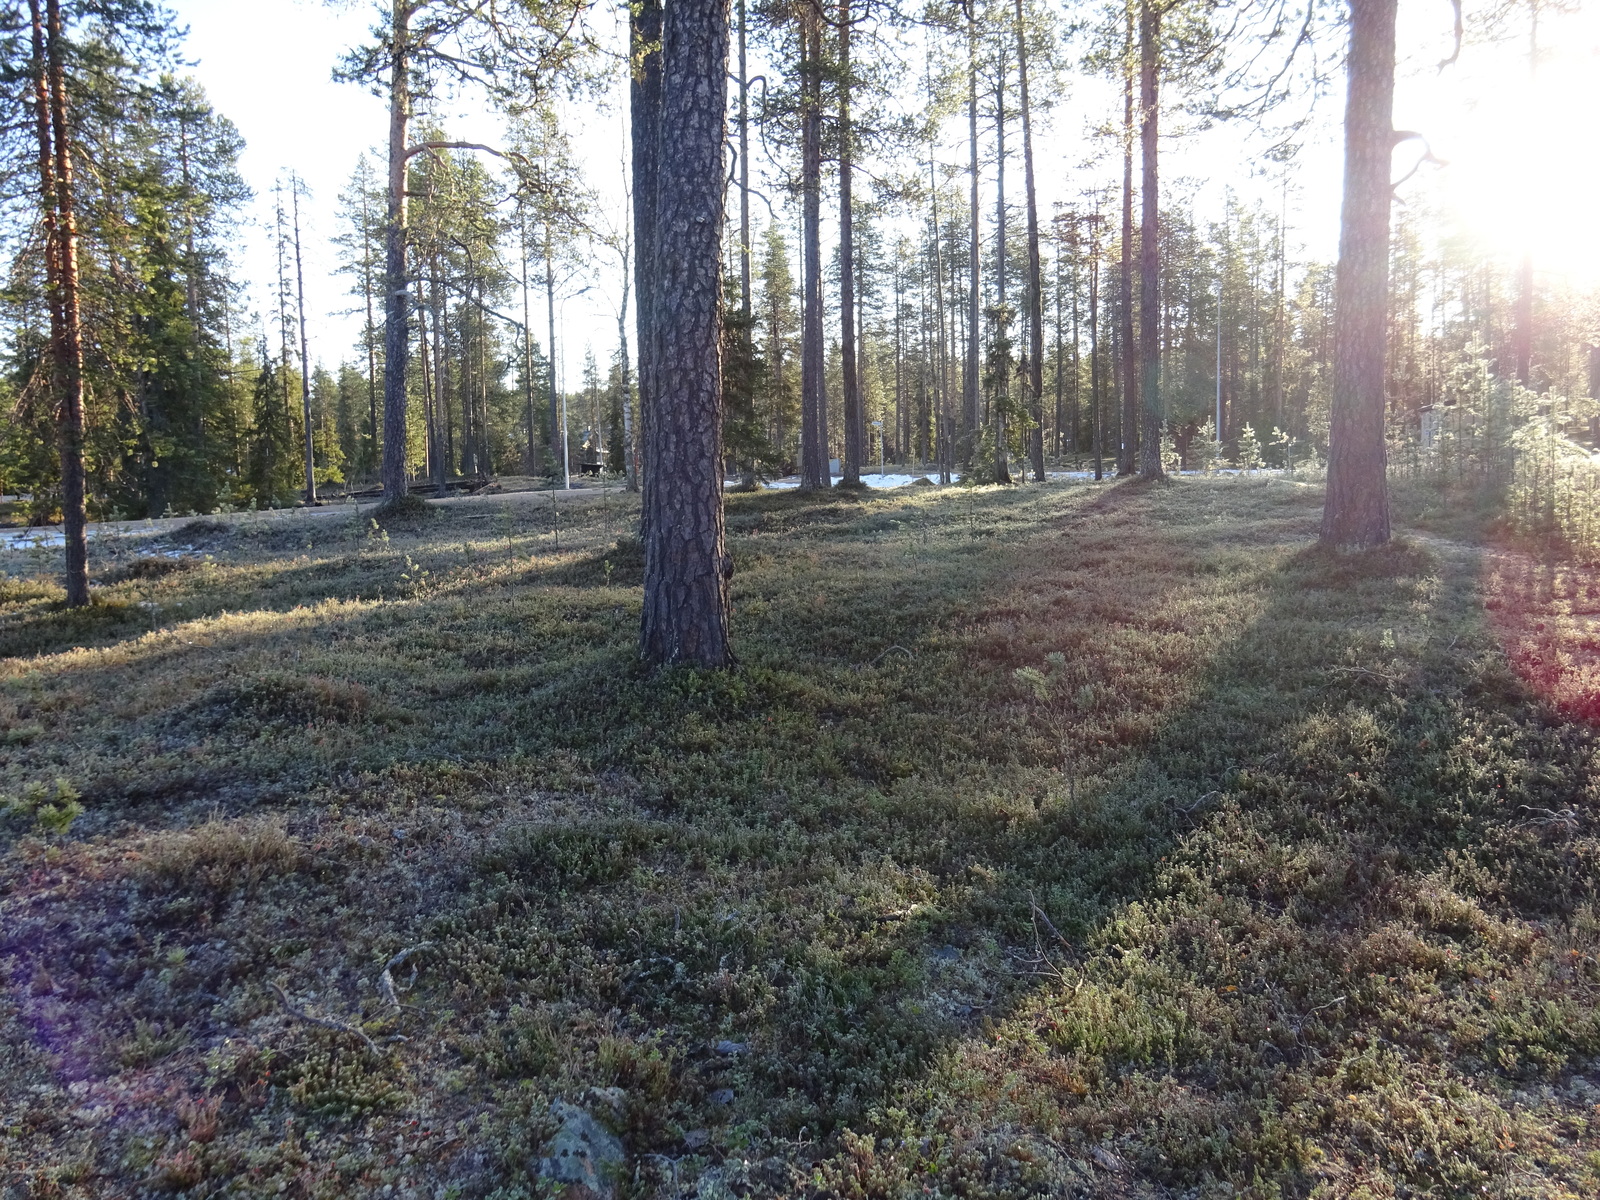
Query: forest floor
{"points": [[1069, 840]]}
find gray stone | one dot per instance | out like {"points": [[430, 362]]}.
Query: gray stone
{"points": [[583, 1152]]}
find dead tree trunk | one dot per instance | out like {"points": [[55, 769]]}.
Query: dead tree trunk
{"points": [[686, 610], [1356, 511]]}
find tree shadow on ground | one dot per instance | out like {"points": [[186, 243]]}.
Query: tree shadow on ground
{"points": [[1122, 897]]}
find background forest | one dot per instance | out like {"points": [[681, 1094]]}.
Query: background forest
{"points": [[198, 400]]}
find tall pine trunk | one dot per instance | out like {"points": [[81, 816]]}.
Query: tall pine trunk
{"points": [[645, 113], [1126, 353], [62, 283], [686, 610], [853, 428], [429, 401], [745, 298], [560, 462], [305, 359], [814, 467], [1094, 347], [630, 464], [396, 295], [1002, 323], [747, 332], [1356, 511], [971, 416], [1034, 376], [1150, 243], [372, 330], [527, 341]]}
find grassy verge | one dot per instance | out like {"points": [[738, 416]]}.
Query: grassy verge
{"points": [[1105, 841]]}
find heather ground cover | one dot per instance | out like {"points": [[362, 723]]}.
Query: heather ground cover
{"points": [[1047, 841]]}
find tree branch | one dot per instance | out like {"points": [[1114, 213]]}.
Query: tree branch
{"points": [[1455, 51]]}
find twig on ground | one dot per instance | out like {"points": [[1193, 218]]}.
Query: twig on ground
{"points": [[1566, 818], [386, 987], [1040, 915], [325, 1022], [890, 651]]}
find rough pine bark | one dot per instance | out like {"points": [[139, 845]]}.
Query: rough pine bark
{"points": [[853, 428], [67, 333], [686, 609], [1356, 511], [815, 471], [1150, 244], [396, 295]]}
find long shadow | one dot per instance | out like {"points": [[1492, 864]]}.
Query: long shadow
{"points": [[1317, 964]]}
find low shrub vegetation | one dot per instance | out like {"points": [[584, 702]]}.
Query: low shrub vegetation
{"points": [[1053, 840]]}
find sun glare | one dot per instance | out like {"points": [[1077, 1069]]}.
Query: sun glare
{"points": [[1519, 173]]}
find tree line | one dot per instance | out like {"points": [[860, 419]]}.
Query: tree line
{"points": [[955, 323]]}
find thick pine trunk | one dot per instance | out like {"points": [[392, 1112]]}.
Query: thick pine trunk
{"points": [[1356, 511], [686, 609], [645, 111], [1126, 353], [1150, 244], [853, 428], [815, 470], [396, 295], [67, 337], [1034, 376]]}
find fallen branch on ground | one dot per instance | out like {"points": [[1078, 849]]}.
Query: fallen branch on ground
{"points": [[325, 1022], [386, 987]]}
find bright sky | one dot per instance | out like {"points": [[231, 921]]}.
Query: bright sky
{"points": [[1521, 172], [1518, 172]]}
